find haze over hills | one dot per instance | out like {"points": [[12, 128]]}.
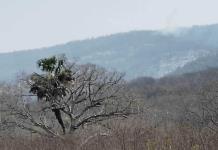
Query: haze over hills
{"points": [[138, 53]]}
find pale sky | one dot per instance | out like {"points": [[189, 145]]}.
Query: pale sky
{"points": [[27, 24]]}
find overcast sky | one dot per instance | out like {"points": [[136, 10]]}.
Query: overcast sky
{"points": [[26, 24]]}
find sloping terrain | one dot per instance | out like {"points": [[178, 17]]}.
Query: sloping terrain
{"points": [[137, 53]]}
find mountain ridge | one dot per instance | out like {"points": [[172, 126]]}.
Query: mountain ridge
{"points": [[138, 53]]}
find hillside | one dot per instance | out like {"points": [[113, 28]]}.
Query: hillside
{"points": [[138, 53]]}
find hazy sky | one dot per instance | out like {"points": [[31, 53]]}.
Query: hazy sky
{"points": [[28, 24]]}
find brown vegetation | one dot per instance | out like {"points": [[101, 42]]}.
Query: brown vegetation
{"points": [[171, 113], [128, 135]]}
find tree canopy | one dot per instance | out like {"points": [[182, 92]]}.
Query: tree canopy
{"points": [[75, 94]]}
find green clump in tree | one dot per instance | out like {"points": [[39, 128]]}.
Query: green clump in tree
{"points": [[51, 86], [77, 95]]}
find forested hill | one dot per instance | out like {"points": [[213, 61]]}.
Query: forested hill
{"points": [[138, 53]]}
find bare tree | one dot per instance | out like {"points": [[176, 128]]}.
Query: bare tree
{"points": [[209, 105], [75, 94]]}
